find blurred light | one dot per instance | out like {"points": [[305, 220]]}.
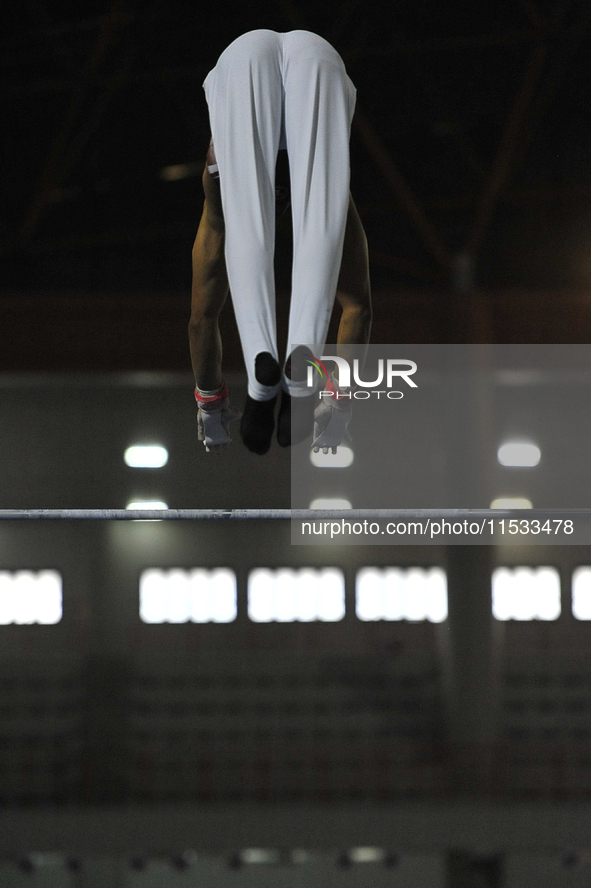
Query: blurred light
{"points": [[339, 460], [367, 855], [260, 855], [177, 171], [147, 505], [511, 502], [526, 593], [141, 456], [395, 593], [47, 859], [330, 504], [519, 453], [301, 855], [286, 595], [182, 596], [581, 593], [30, 597]]}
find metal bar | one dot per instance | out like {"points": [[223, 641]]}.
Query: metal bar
{"points": [[280, 514]]}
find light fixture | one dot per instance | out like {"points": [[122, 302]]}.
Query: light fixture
{"points": [[301, 856], [285, 595], [519, 453], [526, 593], [342, 459], [180, 596], [28, 596], [146, 456], [328, 503], [367, 854], [396, 593], [511, 502], [146, 505], [581, 593], [260, 856]]}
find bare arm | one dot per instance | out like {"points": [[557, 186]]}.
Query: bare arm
{"points": [[353, 287], [210, 287], [209, 290]]}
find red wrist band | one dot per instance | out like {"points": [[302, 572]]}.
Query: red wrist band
{"points": [[221, 395]]}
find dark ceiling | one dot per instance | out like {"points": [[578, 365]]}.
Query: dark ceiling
{"points": [[472, 138]]}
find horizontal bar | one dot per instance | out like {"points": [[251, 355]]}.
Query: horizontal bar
{"points": [[281, 514]]}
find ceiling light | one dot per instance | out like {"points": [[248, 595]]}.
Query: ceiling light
{"points": [[260, 855], [367, 855], [146, 456], [581, 593], [339, 460], [526, 593], [511, 502], [328, 503], [519, 453], [147, 505]]}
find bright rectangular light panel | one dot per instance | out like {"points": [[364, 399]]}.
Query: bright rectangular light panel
{"points": [[581, 593], [28, 597], [342, 459], [394, 593], [526, 593], [367, 854], [519, 453], [147, 505], [188, 596], [146, 456], [286, 595], [511, 502], [330, 503]]}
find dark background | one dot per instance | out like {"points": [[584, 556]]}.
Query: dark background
{"points": [[470, 168], [463, 746]]}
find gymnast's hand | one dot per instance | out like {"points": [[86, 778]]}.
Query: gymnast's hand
{"points": [[331, 418], [214, 416]]}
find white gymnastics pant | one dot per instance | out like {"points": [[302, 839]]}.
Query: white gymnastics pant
{"points": [[271, 90]]}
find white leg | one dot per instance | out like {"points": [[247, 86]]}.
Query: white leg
{"points": [[245, 96], [319, 105]]}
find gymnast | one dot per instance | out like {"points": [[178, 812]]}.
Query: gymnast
{"points": [[271, 91]]}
